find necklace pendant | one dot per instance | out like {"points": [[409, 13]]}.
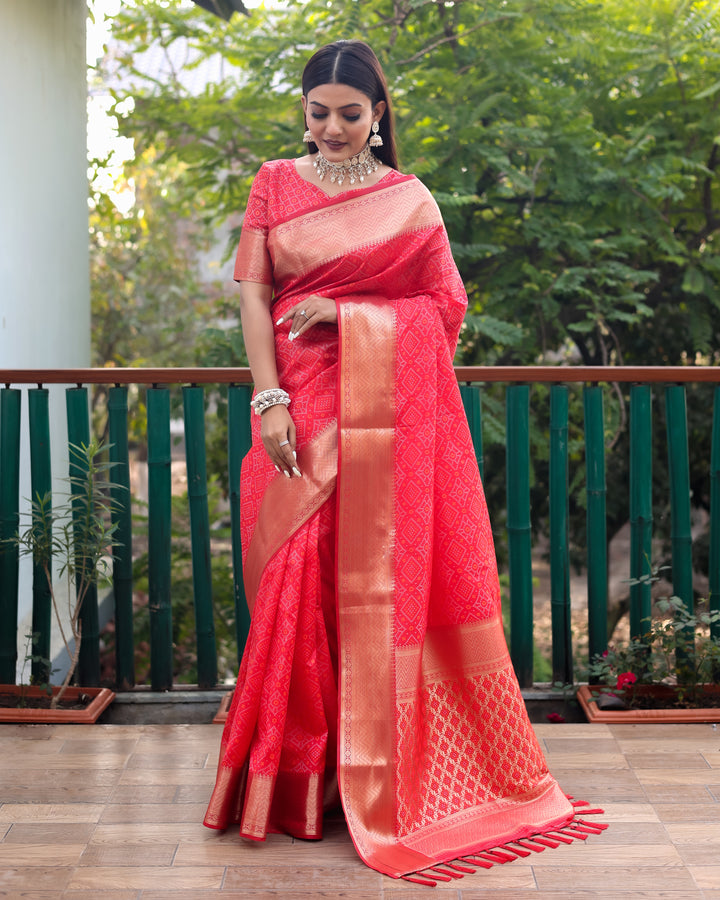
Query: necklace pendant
{"points": [[355, 168]]}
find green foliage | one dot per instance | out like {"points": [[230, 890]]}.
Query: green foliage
{"points": [[148, 302], [571, 144], [32, 638], [676, 649], [77, 536]]}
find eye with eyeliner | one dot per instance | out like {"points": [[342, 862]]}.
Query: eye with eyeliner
{"points": [[349, 118]]}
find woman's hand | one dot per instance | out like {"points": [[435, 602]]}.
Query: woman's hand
{"points": [[313, 310], [277, 430]]}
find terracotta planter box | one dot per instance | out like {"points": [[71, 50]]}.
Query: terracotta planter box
{"points": [[101, 698], [668, 716], [222, 713]]}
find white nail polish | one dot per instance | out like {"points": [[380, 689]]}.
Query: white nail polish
{"points": [[280, 321], [277, 468], [286, 473], [297, 471], [294, 454], [291, 336]]}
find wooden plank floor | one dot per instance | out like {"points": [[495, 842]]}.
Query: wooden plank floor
{"points": [[114, 813]]}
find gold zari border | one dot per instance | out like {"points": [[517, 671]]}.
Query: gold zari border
{"points": [[456, 652], [288, 503], [373, 217]]}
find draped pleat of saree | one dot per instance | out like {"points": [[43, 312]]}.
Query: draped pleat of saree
{"points": [[376, 665]]}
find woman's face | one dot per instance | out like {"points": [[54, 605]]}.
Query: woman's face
{"points": [[340, 118]]}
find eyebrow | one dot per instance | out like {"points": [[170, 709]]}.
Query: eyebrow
{"points": [[346, 106]]}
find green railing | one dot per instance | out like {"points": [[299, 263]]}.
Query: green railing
{"points": [[518, 422]]}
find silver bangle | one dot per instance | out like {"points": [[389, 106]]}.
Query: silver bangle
{"points": [[271, 397]]}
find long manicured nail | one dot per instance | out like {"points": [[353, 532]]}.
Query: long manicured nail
{"points": [[297, 471], [286, 473], [291, 336], [280, 321], [295, 454], [277, 468]]}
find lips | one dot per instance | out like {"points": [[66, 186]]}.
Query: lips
{"points": [[334, 145]]}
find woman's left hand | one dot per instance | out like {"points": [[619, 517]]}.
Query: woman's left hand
{"points": [[313, 310]]}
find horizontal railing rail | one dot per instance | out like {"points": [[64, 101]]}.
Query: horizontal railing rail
{"points": [[192, 381], [470, 374]]}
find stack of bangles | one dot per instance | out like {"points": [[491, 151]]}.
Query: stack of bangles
{"points": [[272, 397]]}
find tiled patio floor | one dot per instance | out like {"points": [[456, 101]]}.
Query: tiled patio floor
{"points": [[113, 812]]}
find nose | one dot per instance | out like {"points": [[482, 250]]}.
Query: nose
{"points": [[334, 125]]}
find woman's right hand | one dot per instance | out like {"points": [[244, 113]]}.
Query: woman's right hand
{"points": [[277, 430]]}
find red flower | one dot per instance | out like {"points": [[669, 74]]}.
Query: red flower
{"points": [[625, 679], [555, 717]]}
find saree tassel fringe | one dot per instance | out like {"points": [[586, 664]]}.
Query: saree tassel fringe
{"points": [[578, 829]]}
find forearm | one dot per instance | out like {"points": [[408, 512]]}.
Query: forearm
{"points": [[258, 334]]}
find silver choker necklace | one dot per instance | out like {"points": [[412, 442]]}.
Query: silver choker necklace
{"points": [[354, 167]]}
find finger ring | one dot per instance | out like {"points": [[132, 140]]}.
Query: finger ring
{"points": [[283, 443], [303, 313]]}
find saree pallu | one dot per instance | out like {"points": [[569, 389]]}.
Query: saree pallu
{"points": [[377, 568]]}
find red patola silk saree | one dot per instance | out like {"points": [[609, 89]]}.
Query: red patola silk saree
{"points": [[376, 670]]}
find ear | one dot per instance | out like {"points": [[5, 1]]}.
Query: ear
{"points": [[378, 110], [304, 103]]}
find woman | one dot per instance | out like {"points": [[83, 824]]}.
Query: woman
{"points": [[376, 670]]}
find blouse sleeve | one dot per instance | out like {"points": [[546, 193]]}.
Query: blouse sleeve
{"points": [[253, 262]]}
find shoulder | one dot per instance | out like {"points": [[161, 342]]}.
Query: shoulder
{"points": [[415, 189], [413, 183], [418, 185], [275, 168]]}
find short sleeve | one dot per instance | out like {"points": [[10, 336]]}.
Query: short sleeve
{"points": [[253, 262]]}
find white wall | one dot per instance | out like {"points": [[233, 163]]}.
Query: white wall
{"points": [[44, 280]]}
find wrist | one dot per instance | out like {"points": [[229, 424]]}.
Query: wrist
{"points": [[268, 398]]}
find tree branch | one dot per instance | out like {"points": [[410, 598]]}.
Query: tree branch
{"points": [[453, 37]]}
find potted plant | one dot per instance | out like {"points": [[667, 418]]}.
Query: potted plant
{"points": [[667, 675], [76, 535]]}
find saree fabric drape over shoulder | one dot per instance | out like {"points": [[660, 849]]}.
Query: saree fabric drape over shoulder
{"points": [[376, 668]]}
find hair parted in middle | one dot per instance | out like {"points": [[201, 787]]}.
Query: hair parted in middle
{"points": [[354, 63]]}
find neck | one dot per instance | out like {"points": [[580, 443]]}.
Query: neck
{"points": [[354, 168]]}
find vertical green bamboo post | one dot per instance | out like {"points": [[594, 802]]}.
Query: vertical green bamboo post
{"points": [[10, 403], [193, 401], [122, 544], [519, 543], [597, 575], [562, 659], [159, 518], [239, 441], [679, 471], [41, 486], [78, 423], [640, 508], [714, 586], [470, 394], [681, 536]]}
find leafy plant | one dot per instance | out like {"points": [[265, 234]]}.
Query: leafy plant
{"points": [[31, 656], [677, 649], [77, 535]]}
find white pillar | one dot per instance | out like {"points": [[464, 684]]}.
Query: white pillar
{"points": [[44, 266]]}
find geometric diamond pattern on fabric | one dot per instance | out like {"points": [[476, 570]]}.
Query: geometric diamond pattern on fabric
{"points": [[445, 555], [472, 743]]}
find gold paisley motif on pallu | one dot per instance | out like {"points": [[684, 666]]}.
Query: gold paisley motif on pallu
{"points": [[436, 758]]}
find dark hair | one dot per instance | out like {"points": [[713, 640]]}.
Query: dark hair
{"points": [[353, 63]]}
